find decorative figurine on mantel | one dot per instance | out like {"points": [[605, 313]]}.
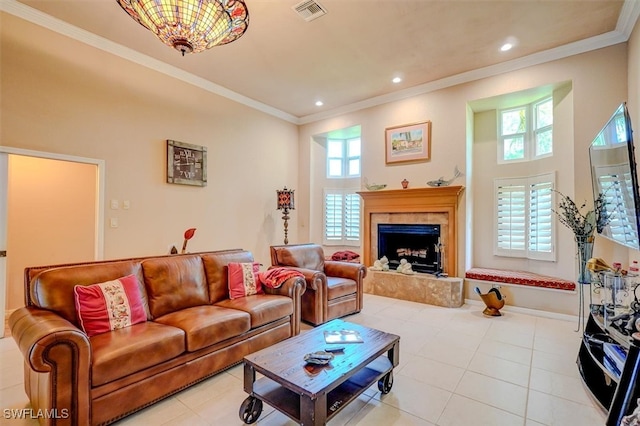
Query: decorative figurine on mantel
{"points": [[442, 182], [381, 264], [373, 186], [405, 184]]}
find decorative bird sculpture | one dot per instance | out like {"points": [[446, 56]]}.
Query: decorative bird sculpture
{"points": [[445, 182]]}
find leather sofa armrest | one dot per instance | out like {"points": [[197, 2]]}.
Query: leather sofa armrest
{"points": [[293, 288], [53, 346], [316, 280], [354, 271]]}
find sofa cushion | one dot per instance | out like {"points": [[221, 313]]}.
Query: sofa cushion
{"points": [[109, 306], [263, 309], [308, 256], [123, 352], [174, 283], [215, 266], [52, 288], [338, 287], [207, 325], [243, 279]]}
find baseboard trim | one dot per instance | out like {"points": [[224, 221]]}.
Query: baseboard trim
{"points": [[528, 311]]}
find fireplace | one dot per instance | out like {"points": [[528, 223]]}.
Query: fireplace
{"points": [[417, 243], [414, 206]]}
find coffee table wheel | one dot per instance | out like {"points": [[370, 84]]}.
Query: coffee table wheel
{"points": [[385, 384], [250, 410]]}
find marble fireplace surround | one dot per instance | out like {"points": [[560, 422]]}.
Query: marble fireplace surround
{"points": [[412, 206]]}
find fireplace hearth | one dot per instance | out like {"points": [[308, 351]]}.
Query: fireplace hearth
{"points": [[417, 243]]}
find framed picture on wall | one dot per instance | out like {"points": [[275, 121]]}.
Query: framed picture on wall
{"points": [[409, 142], [186, 163]]}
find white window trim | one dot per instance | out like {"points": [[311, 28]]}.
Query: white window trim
{"points": [[344, 240], [501, 137], [526, 183], [344, 158], [539, 130], [530, 135]]}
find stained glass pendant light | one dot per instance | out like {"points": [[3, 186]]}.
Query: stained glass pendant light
{"points": [[191, 26]]}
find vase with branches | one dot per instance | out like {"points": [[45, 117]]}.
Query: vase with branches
{"points": [[583, 224]]}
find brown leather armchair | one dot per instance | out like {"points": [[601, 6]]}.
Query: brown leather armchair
{"points": [[334, 289]]}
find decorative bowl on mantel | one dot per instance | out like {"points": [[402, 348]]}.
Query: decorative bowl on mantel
{"points": [[375, 187]]}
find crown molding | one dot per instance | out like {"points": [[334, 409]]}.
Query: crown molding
{"points": [[628, 17], [626, 22], [37, 17], [575, 48]]}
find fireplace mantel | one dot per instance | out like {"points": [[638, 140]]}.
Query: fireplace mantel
{"points": [[443, 200]]}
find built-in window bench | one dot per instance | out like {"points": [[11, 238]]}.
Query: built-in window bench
{"points": [[522, 289], [521, 278]]}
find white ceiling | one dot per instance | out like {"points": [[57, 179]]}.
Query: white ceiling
{"points": [[348, 57]]}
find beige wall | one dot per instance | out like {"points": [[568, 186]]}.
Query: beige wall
{"points": [[487, 170], [62, 96], [52, 216], [599, 84]]}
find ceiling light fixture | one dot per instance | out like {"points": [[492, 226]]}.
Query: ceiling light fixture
{"points": [[396, 80], [319, 103], [191, 26], [506, 46]]}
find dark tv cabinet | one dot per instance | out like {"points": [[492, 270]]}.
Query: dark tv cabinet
{"points": [[616, 392]]}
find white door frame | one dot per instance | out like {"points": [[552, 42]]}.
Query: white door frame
{"points": [[99, 219], [3, 238]]}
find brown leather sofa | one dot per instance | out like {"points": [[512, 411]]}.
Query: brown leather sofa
{"points": [[334, 288], [193, 331]]}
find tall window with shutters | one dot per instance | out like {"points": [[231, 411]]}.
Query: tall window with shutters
{"points": [[341, 217], [524, 225]]}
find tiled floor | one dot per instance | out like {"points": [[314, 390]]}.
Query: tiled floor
{"points": [[457, 367]]}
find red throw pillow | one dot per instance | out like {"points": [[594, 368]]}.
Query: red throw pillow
{"points": [[109, 306], [243, 279]]}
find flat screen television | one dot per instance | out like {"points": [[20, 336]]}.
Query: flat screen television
{"points": [[614, 174]]}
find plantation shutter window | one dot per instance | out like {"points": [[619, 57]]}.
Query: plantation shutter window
{"points": [[333, 217], [341, 217], [524, 225], [540, 219], [352, 217], [511, 217]]}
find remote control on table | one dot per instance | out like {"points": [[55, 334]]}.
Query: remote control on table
{"points": [[335, 349]]}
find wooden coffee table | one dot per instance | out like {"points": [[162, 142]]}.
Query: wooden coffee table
{"points": [[311, 394]]}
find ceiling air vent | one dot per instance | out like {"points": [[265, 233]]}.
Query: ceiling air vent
{"points": [[309, 10]]}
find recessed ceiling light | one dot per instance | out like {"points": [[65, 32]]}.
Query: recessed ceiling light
{"points": [[319, 103], [506, 46], [396, 79]]}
